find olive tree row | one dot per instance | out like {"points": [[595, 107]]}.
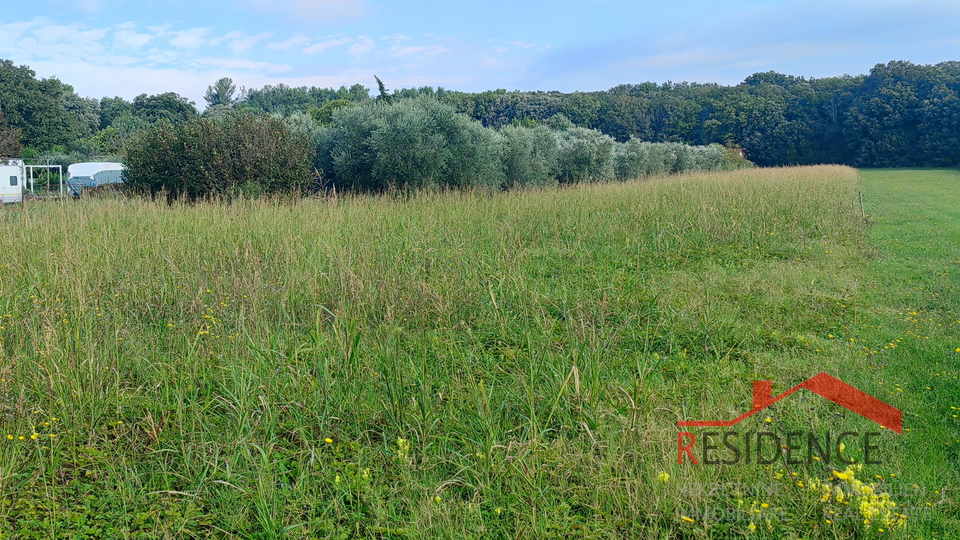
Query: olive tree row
{"points": [[388, 145], [421, 143]]}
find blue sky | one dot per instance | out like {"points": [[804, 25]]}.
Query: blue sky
{"points": [[123, 47]]}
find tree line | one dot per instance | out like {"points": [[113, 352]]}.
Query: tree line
{"points": [[900, 114], [388, 145]]}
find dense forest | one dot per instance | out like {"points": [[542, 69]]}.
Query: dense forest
{"points": [[900, 114]]}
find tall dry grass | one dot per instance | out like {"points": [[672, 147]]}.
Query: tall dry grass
{"points": [[449, 365]]}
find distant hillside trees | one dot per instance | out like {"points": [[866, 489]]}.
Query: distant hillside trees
{"points": [[324, 114], [900, 114], [285, 100]]}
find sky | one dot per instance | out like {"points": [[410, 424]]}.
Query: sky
{"points": [[129, 47]]}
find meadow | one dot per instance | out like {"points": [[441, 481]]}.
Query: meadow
{"points": [[476, 365]]}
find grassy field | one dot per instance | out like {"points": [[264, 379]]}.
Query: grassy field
{"points": [[474, 366]]}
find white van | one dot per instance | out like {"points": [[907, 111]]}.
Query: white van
{"points": [[12, 180]]}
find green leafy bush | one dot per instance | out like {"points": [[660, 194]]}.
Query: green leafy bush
{"points": [[529, 156], [585, 155], [638, 159], [238, 154], [417, 143]]}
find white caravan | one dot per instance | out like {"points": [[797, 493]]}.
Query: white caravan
{"points": [[89, 175], [12, 180]]}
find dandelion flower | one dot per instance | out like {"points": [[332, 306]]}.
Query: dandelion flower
{"points": [[663, 477], [328, 440]]}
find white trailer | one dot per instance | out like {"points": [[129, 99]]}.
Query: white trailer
{"points": [[88, 175], [13, 178]]}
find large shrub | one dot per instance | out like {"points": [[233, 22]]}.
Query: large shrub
{"points": [[632, 159], [585, 155], [638, 159], [411, 144], [236, 154], [529, 156]]}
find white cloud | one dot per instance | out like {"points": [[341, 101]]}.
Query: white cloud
{"points": [[239, 64], [419, 51], [396, 38], [126, 36], [324, 45], [91, 6], [314, 10], [42, 38], [13, 31], [158, 56], [288, 43], [364, 45], [189, 39], [240, 42]]}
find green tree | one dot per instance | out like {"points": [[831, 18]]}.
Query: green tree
{"points": [[36, 108], [168, 106], [414, 144], [86, 111], [324, 114], [221, 93], [113, 108], [114, 138], [383, 94], [529, 156], [627, 116], [10, 146], [585, 155], [240, 154], [507, 108], [582, 108]]}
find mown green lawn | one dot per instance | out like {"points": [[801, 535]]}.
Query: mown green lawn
{"points": [[475, 366], [914, 297]]}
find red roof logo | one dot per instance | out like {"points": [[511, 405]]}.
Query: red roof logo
{"points": [[825, 386]]}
